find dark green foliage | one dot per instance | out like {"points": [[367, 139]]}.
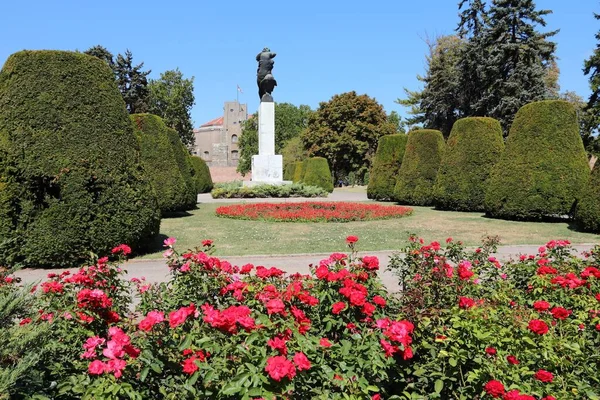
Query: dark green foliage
{"points": [[544, 167], [102, 53], [158, 159], [386, 166], [474, 146], [318, 174], [591, 67], [182, 159], [422, 156], [202, 178], [266, 191], [587, 213], [71, 177], [132, 82], [298, 172], [288, 171]]}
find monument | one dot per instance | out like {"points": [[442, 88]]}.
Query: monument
{"points": [[267, 167]]}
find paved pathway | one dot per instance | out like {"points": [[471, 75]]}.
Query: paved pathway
{"points": [[157, 271]]}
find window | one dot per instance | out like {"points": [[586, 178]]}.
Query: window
{"points": [[234, 155], [231, 110], [206, 155], [234, 139]]}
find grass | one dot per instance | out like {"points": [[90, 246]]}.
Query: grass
{"points": [[240, 237]]}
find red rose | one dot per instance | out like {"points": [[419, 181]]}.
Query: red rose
{"points": [[512, 360], [541, 306], [178, 317], [549, 398], [494, 388], [275, 306], [324, 342], [371, 263], [338, 307], [560, 313], [351, 239], [368, 309], [280, 367], [190, 366], [544, 376], [96, 367], [466, 302], [538, 326], [380, 301], [301, 362], [207, 243], [491, 351]]}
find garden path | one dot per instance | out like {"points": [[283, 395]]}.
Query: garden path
{"points": [[157, 271]]}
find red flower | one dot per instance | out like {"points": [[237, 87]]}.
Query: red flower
{"points": [[122, 248], [153, 318], [207, 243], [52, 287], [380, 301], [25, 321], [538, 326], [371, 263], [368, 309], [544, 376], [275, 306], [178, 317], [338, 307], [512, 360], [466, 302], [491, 351], [97, 367], [324, 342], [246, 268], [541, 306], [351, 239], [280, 367], [464, 270], [560, 313], [388, 348], [494, 388], [190, 366], [301, 362], [278, 344]]}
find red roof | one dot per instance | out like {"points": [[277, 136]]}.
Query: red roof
{"points": [[213, 122]]}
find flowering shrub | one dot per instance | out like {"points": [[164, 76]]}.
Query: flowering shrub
{"points": [[313, 211], [528, 329]]}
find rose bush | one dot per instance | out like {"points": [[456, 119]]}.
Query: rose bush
{"points": [[313, 211]]}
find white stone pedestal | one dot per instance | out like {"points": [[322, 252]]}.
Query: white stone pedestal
{"points": [[267, 167]]}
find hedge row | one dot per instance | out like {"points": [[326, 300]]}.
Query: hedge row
{"points": [[386, 166], [70, 172], [312, 171], [203, 180]]}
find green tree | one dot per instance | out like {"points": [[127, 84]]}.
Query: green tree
{"points": [[132, 82], [395, 120], [587, 121], [102, 53], [290, 120], [172, 97], [437, 106], [345, 130], [591, 67]]}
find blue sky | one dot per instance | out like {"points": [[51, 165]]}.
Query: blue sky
{"points": [[323, 47]]}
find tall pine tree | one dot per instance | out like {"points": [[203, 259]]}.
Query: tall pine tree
{"points": [[132, 82], [591, 67]]}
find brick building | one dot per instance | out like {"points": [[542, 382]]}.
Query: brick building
{"points": [[217, 140]]}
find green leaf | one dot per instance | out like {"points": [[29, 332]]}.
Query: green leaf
{"points": [[439, 385]]}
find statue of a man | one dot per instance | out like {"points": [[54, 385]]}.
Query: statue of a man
{"points": [[264, 79]]}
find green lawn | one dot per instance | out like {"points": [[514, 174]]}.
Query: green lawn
{"points": [[237, 237]]}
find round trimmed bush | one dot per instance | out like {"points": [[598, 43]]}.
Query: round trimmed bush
{"points": [[158, 159], [318, 174], [587, 212], [70, 171], [386, 165], [182, 159], [422, 156], [474, 146], [544, 167], [203, 180]]}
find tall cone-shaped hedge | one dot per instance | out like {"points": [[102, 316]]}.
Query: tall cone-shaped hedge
{"points": [[203, 180], [416, 177], [544, 167], [299, 171], [473, 148], [386, 165], [158, 159], [71, 180], [288, 171], [318, 174], [587, 213], [182, 159]]}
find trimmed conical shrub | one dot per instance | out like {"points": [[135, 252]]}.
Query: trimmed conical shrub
{"points": [[158, 159], [299, 171], [587, 212], [473, 148], [203, 180], [544, 167], [71, 180], [318, 174], [182, 158], [288, 171], [386, 165], [422, 156]]}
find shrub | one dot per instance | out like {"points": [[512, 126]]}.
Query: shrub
{"points": [[474, 146], [266, 190], [72, 180], [299, 172], [182, 158], [288, 171], [203, 180], [158, 158], [424, 150], [544, 168], [386, 166], [587, 213], [317, 173]]}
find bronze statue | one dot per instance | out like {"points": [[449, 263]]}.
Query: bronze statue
{"points": [[264, 79]]}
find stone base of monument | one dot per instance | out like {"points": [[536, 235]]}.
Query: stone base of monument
{"points": [[267, 169]]}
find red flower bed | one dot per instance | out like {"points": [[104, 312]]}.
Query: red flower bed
{"points": [[313, 211]]}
